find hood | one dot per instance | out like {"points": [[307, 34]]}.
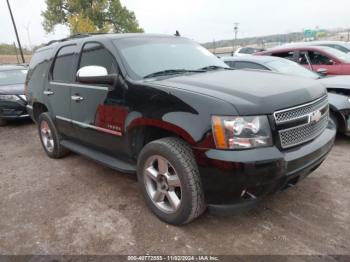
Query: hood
{"points": [[342, 82], [250, 92], [17, 89]]}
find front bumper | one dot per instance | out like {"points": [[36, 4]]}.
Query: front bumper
{"points": [[239, 179], [13, 109], [31, 112]]}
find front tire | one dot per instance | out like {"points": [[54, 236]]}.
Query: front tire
{"points": [[50, 138], [169, 179]]}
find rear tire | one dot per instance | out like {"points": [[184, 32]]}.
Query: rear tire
{"points": [[169, 179], [50, 138], [3, 122]]}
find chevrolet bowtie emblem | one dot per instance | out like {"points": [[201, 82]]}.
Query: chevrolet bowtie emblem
{"points": [[315, 116]]}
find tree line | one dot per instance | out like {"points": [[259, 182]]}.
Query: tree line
{"points": [[84, 16]]}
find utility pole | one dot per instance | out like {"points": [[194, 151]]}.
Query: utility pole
{"points": [[14, 26], [28, 35], [235, 28]]}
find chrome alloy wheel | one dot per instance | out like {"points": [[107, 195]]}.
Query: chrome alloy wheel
{"points": [[46, 136], [162, 183]]}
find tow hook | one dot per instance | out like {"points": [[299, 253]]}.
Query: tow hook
{"points": [[245, 192]]}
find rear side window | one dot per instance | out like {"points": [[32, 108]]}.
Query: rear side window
{"points": [[230, 63], [62, 70], [317, 58], [287, 55], [249, 65], [38, 65], [97, 55]]}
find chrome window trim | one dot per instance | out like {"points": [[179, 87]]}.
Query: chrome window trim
{"points": [[308, 123], [80, 85], [105, 130]]}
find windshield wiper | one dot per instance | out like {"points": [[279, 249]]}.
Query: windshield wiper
{"points": [[173, 72], [214, 67]]}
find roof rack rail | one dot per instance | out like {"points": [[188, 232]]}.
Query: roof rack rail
{"points": [[80, 35]]}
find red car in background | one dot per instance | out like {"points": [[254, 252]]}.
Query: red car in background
{"points": [[321, 59]]}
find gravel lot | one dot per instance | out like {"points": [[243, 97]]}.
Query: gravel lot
{"points": [[76, 206]]}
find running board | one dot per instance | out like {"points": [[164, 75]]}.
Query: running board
{"points": [[99, 157]]}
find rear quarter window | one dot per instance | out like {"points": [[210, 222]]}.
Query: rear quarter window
{"points": [[287, 55], [38, 66]]}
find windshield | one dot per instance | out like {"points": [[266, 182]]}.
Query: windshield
{"points": [[291, 68], [12, 77], [344, 57], [347, 45], [147, 56]]}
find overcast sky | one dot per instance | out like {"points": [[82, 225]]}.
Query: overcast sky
{"points": [[201, 20]]}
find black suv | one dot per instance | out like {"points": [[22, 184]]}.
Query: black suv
{"points": [[197, 133]]}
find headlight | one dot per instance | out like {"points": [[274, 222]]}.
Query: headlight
{"points": [[241, 132], [9, 97]]}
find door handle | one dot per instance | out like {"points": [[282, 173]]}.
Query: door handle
{"points": [[77, 98], [48, 92]]}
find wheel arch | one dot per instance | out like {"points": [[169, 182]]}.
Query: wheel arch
{"points": [[38, 108], [339, 117], [141, 133]]}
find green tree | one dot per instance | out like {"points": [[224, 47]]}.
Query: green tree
{"points": [[85, 16]]}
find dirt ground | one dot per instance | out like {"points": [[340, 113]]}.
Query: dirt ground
{"points": [[76, 206]]}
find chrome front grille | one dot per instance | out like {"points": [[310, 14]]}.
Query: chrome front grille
{"points": [[300, 134], [300, 111], [303, 123]]}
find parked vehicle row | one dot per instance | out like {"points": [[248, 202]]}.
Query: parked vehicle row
{"points": [[338, 86], [197, 133], [321, 59], [339, 45]]}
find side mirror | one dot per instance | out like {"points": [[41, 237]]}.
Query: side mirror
{"points": [[322, 72], [95, 75]]}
